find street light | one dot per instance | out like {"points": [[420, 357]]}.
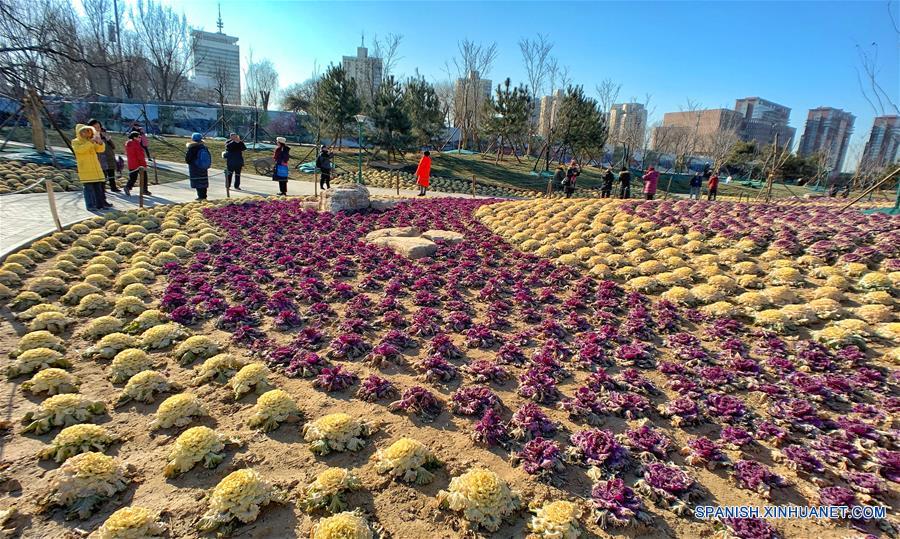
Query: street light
{"points": [[360, 119]]}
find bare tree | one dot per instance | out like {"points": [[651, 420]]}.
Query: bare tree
{"points": [[262, 80], [469, 101], [633, 134], [607, 94], [536, 59], [164, 35], [444, 91], [719, 144], [388, 49]]}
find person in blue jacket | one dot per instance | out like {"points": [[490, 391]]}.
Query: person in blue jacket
{"points": [[198, 160]]}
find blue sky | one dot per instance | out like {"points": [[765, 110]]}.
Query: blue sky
{"points": [[800, 54]]}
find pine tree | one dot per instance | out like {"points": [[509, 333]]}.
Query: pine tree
{"points": [[338, 101], [507, 115], [582, 125], [423, 107], [392, 124]]}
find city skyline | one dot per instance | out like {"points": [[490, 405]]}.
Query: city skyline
{"points": [[814, 66]]}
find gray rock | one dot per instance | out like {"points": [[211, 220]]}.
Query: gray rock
{"points": [[383, 205], [444, 235], [403, 231], [344, 198], [410, 247]]}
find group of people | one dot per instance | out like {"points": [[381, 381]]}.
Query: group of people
{"points": [[567, 176], [97, 164], [199, 160], [712, 185]]}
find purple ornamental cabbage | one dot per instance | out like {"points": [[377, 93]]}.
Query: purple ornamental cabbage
{"points": [[802, 461], [236, 316], [306, 365], [750, 528], [541, 457], [702, 451], [538, 386], [511, 354], [484, 371], [735, 437], [682, 411], [393, 319], [459, 321], [626, 404], [836, 449], [383, 353], [490, 430], [886, 463], [473, 400], [442, 345], [348, 346], [647, 442], [751, 475], [436, 369], [634, 354], [530, 422], [616, 505], [480, 336], [335, 378], [398, 339], [354, 325], [426, 322], [419, 401], [375, 388], [867, 484], [668, 486], [837, 496], [597, 447], [288, 319], [585, 405], [633, 380], [726, 407], [309, 338]]}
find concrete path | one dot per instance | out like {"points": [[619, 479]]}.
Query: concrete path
{"points": [[25, 217]]}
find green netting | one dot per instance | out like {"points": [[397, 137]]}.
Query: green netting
{"points": [[32, 156]]}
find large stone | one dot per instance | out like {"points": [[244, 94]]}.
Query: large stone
{"points": [[447, 236], [410, 247], [344, 198], [380, 204], [403, 231]]}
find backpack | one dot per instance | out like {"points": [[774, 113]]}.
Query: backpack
{"points": [[203, 160]]}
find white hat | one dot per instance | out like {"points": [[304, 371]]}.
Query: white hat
{"points": [[281, 140]]}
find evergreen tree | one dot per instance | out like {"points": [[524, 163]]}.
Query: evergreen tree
{"points": [[581, 125], [391, 122], [337, 100], [507, 115], [423, 107]]}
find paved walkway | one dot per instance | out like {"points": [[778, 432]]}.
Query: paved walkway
{"points": [[26, 217]]}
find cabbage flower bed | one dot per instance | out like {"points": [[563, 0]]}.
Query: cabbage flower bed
{"points": [[521, 373]]}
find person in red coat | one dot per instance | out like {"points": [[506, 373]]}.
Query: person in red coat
{"points": [[137, 160], [713, 186], [423, 173]]}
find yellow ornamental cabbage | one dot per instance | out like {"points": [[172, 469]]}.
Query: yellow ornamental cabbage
{"points": [[137, 290], [218, 368], [52, 381], [131, 523], [642, 284], [651, 267], [752, 300], [127, 363], [106, 261], [639, 255], [128, 306], [26, 300], [36, 359], [878, 297], [101, 326], [39, 339], [407, 460], [54, 322], [98, 269], [569, 260], [891, 332], [626, 272], [327, 491], [839, 335], [773, 319], [78, 439], [828, 292], [271, 409], [823, 272], [678, 295], [720, 309], [85, 481], [145, 320], [92, 304], [837, 281], [874, 280], [731, 256], [780, 295], [854, 269], [163, 336], [785, 276], [706, 293], [237, 497], [252, 377], [47, 286], [555, 520], [336, 432], [874, 314], [143, 386], [826, 308], [18, 258], [62, 411], [195, 445], [346, 525], [800, 314], [483, 498], [722, 282], [746, 268], [196, 347], [110, 345], [99, 281], [709, 270], [686, 274], [77, 292], [178, 411]]}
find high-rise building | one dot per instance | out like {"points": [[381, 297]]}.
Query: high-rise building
{"points": [[627, 123], [366, 70], [549, 110], [763, 119], [827, 132], [883, 146], [699, 124], [469, 96], [217, 62]]}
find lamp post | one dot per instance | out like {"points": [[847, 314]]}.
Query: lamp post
{"points": [[360, 118]]}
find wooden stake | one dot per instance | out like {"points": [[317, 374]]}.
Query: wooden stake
{"points": [[668, 187], [52, 199], [397, 175], [473, 186], [870, 189]]}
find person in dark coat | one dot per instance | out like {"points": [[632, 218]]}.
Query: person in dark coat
{"points": [[624, 183], [559, 178], [571, 176], [325, 166], [108, 157], [281, 155], [608, 179], [696, 184], [234, 160], [198, 160]]}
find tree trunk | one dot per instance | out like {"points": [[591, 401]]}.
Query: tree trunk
{"points": [[37, 127]]}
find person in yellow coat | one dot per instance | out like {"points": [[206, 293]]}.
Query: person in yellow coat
{"points": [[87, 145]]}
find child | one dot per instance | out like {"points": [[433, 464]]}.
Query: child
{"points": [[87, 145]]}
